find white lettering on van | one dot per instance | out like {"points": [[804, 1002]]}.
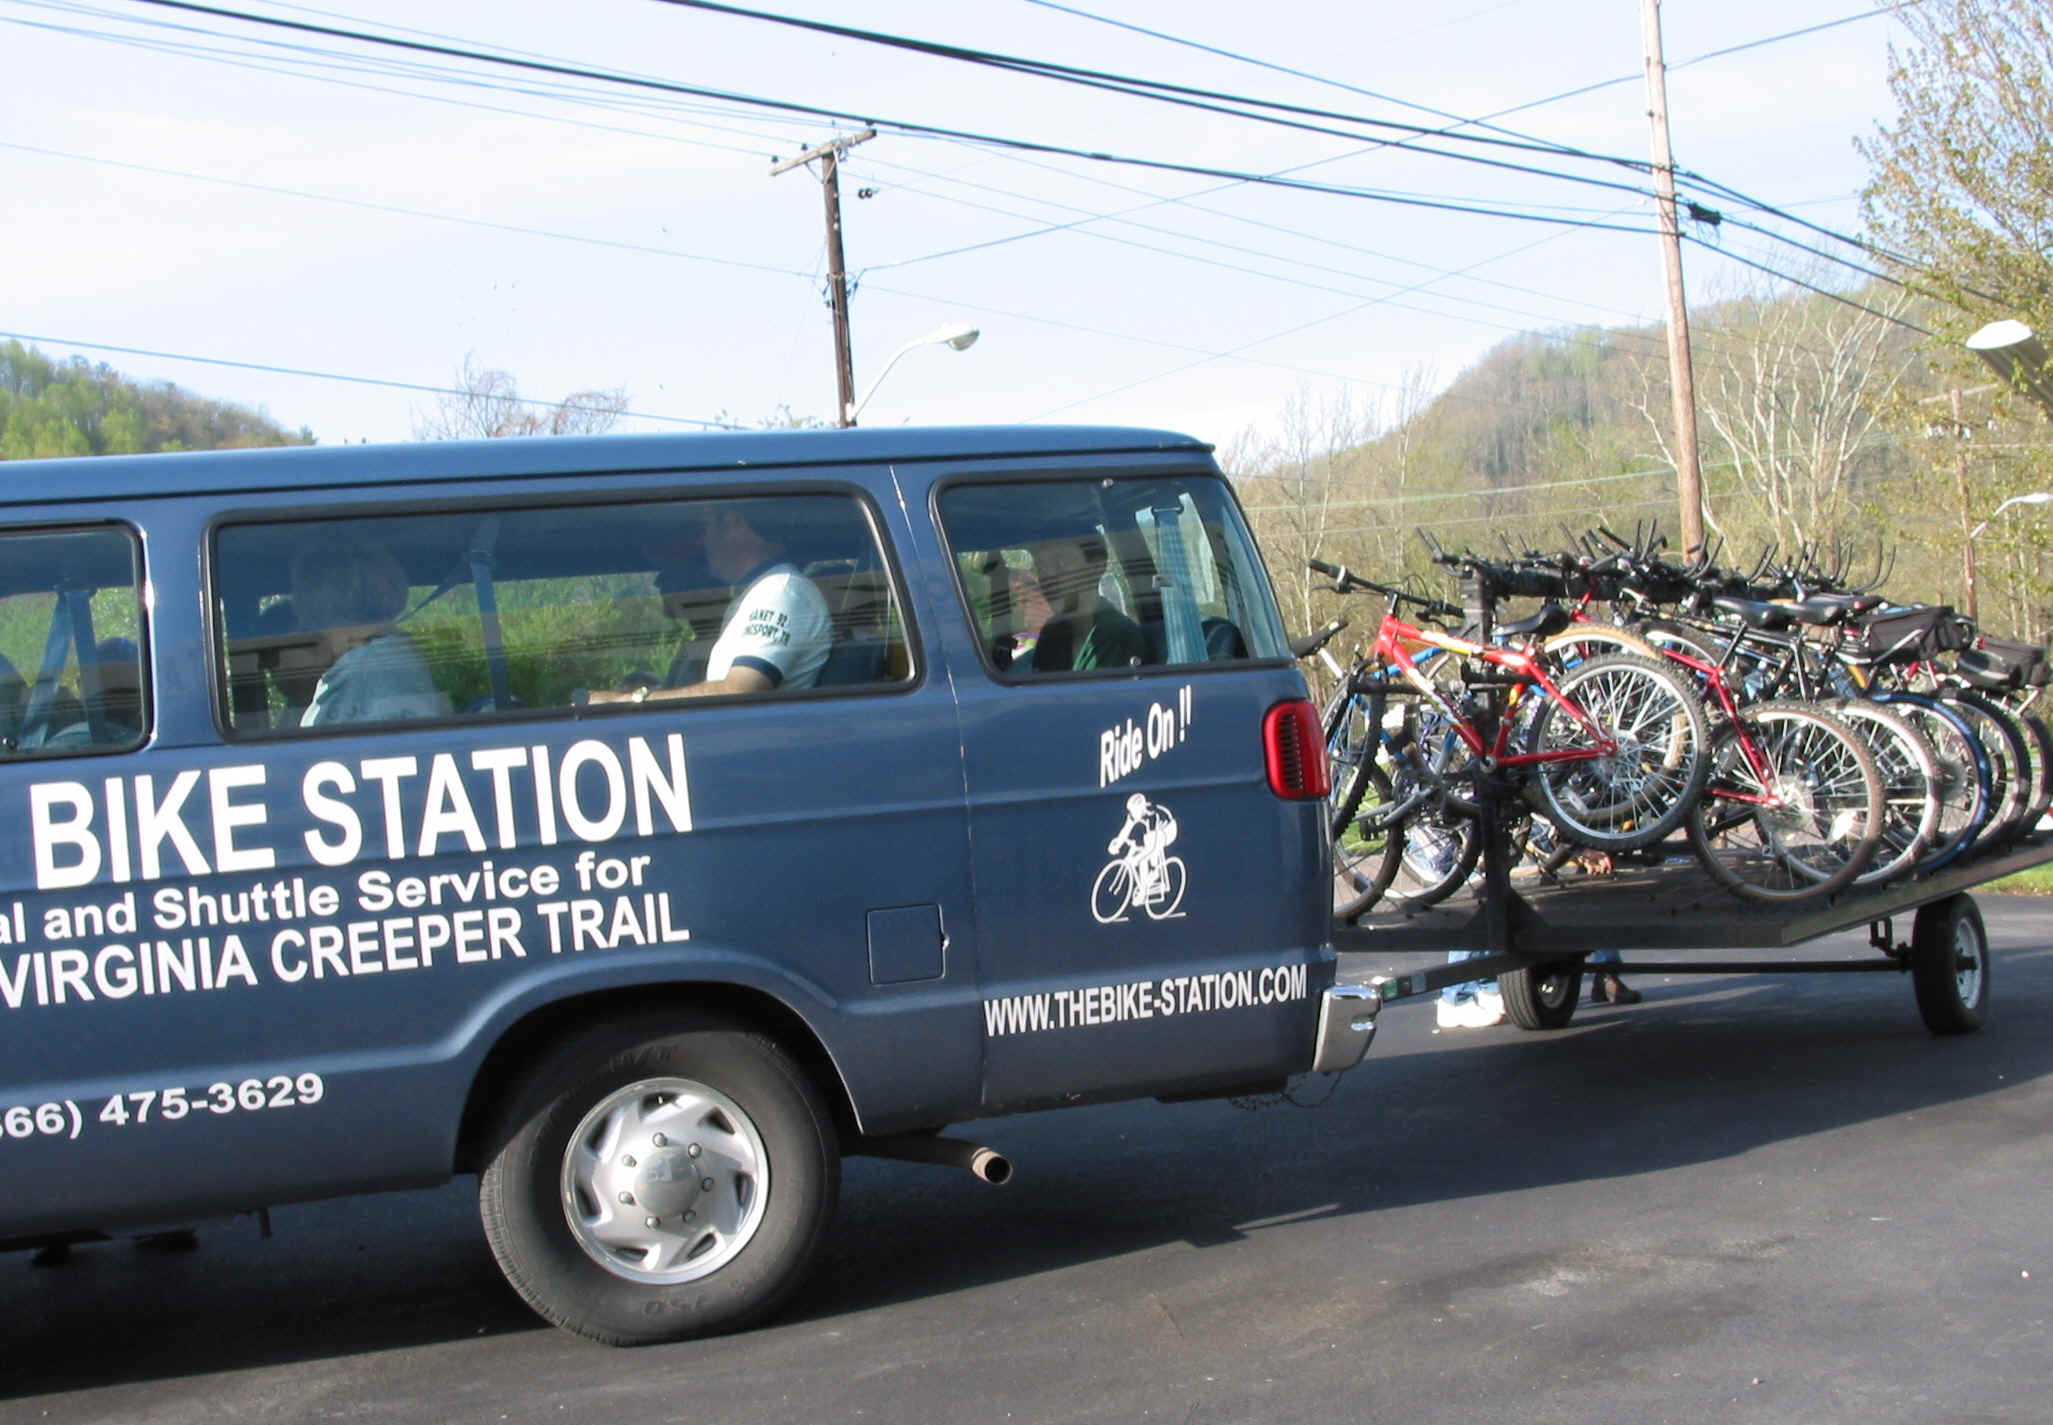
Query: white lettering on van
{"points": [[337, 813], [1125, 749], [155, 826]]}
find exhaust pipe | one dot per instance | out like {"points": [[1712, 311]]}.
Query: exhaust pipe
{"points": [[986, 1163]]}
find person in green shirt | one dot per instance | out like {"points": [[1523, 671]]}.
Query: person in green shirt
{"points": [[1082, 630]]}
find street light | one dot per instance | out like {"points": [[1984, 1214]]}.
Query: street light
{"points": [[959, 335], [2036, 497], [2018, 356]]}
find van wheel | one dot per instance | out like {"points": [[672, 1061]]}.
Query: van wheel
{"points": [[660, 1178]]}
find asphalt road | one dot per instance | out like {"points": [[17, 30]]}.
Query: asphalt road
{"points": [[1748, 1199]]}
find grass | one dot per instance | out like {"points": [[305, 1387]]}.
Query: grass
{"points": [[2036, 881]]}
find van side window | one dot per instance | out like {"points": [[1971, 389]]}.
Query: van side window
{"points": [[1082, 576], [497, 611], [72, 676]]}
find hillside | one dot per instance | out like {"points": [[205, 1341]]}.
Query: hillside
{"points": [[52, 408], [1821, 424]]}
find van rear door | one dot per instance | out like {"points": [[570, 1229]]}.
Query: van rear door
{"points": [[1149, 910]]}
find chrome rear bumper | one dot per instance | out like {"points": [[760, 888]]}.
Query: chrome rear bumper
{"points": [[1347, 1023]]}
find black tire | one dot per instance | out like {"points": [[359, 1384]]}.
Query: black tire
{"points": [[1442, 844], [1964, 781], [1824, 816], [1542, 996], [1911, 782], [1367, 847], [1639, 796], [1949, 965], [2039, 742], [718, 1259], [2012, 787]]}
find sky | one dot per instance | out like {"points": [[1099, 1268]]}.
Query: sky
{"points": [[193, 197]]}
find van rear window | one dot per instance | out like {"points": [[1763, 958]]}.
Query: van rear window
{"points": [[486, 612], [71, 642], [1097, 576]]}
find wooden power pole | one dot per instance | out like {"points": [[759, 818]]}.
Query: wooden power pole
{"points": [[1967, 531], [837, 271], [1689, 487]]}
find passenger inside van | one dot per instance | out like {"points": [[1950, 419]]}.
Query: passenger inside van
{"points": [[1079, 628], [348, 595], [776, 631]]}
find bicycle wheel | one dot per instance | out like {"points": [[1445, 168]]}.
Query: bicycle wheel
{"points": [[1642, 791], [1910, 787], [1349, 738], [1441, 847], [1366, 846], [1581, 642], [2011, 787], [1799, 823], [1963, 774], [2039, 742], [1664, 635]]}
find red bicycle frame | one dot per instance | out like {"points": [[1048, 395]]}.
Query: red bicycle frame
{"points": [[1391, 637]]}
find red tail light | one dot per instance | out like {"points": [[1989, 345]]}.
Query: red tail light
{"points": [[1295, 749]]}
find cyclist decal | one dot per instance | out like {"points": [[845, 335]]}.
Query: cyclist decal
{"points": [[1142, 874]]}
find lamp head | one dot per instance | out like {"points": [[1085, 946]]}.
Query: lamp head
{"points": [[2016, 354]]}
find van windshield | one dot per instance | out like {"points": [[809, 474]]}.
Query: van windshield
{"points": [[1082, 576]]}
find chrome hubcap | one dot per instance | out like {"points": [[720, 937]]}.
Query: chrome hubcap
{"points": [[665, 1181]]}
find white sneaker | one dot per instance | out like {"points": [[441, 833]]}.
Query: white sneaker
{"points": [[1470, 1014], [1489, 1009]]}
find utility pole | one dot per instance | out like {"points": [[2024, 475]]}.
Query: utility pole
{"points": [[1967, 534], [837, 271], [1689, 488]]}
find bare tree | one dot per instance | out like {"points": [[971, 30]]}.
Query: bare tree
{"points": [[488, 405], [1789, 393], [1296, 486]]}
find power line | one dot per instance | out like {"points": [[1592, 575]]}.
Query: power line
{"points": [[553, 67], [1164, 91], [1258, 341], [667, 87], [900, 125], [1218, 102], [447, 76], [395, 209], [309, 62], [807, 274], [1810, 286], [1459, 119], [63, 341]]}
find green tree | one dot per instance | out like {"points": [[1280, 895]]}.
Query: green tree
{"points": [[1962, 184], [50, 408]]}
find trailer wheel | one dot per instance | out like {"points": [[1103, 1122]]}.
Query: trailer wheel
{"points": [[1949, 965], [658, 1178], [1542, 996]]}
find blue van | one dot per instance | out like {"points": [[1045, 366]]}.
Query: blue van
{"points": [[639, 823]]}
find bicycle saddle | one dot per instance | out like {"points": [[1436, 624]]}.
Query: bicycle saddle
{"points": [[1820, 611], [1550, 619], [1754, 614]]}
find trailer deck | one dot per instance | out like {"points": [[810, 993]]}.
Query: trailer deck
{"points": [[1533, 935]]}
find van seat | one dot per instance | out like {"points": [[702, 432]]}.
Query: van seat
{"points": [[854, 660]]}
